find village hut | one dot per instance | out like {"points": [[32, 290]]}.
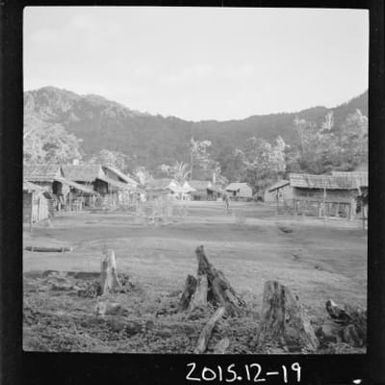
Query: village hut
{"points": [[324, 195], [239, 191], [156, 188], [45, 175], [50, 177], [199, 187], [214, 191], [280, 193], [107, 182], [35, 203], [360, 179]]}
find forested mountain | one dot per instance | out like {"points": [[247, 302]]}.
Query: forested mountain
{"points": [[150, 140]]}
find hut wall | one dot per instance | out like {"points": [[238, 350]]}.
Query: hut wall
{"points": [[285, 195], [338, 203], [27, 207], [35, 207], [342, 196]]}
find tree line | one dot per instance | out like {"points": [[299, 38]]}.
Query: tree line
{"points": [[317, 149]]}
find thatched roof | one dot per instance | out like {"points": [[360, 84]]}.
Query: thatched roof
{"points": [[42, 172], [329, 182], [276, 186], [117, 184], [77, 186], [158, 184], [124, 177], [199, 184], [31, 187], [236, 186], [83, 172], [360, 177]]}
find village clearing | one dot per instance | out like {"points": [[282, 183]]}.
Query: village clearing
{"points": [[315, 258]]}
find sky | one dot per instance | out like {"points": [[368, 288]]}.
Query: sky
{"points": [[200, 63]]}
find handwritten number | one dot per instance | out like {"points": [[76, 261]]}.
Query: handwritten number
{"points": [[229, 370], [297, 368], [284, 374], [259, 369], [193, 366]]}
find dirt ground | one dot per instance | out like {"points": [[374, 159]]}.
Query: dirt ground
{"points": [[316, 259]]}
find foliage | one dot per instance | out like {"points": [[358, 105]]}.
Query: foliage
{"points": [[199, 156], [262, 162], [49, 143], [320, 150], [111, 158], [180, 171]]}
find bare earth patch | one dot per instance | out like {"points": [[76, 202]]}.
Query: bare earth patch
{"points": [[316, 260]]}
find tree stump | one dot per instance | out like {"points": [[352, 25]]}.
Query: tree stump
{"points": [[109, 280], [211, 286], [207, 331], [189, 290], [283, 321]]}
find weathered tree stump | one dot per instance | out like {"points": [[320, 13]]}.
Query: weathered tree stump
{"points": [[109, 280], [207, 331], [283, 321], [189, 290], [347, 324], [211, 286]]}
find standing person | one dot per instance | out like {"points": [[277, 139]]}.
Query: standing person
{"points": [[226, 198]]}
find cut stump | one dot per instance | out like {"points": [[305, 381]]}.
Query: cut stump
{"points": [[109, 280], [283, 321], [211, 286]]}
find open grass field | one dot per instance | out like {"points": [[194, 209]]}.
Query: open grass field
{"points": [[317, 260]]}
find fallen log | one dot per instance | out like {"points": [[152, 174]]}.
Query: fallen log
{"points": [[109, 280], [211, 287], [48, 249], [205, 335], [283, 321]]}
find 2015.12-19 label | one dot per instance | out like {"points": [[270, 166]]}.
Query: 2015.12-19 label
{"points": [[246, 373]]}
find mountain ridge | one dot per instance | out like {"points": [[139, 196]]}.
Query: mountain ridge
{"points": [[151, 140]]}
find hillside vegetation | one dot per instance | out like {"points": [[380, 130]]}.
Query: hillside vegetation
{"points": [[149, 141]]}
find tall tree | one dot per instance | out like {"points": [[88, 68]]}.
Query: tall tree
{"points": [[199, 156], [49, 143]]}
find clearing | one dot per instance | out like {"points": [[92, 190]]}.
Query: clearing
{"points": [[316, 259]]}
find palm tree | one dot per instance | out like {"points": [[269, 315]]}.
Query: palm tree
{"points": [[180, 172]]}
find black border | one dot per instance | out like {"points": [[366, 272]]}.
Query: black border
{"points": [[81, 369]]}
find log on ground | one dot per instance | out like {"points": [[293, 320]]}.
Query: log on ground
{"points": [[207, 331]]}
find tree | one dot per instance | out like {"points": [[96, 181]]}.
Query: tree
{"points": [[199, 156], [45, 142], [263, 162], [180, 172], [111, 158], [143, 175], [354, 140]]}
